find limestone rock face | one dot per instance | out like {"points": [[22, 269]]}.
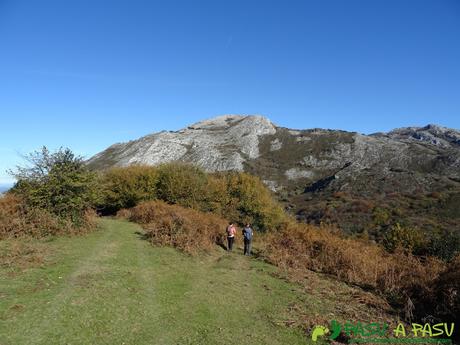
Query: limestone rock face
{"points": [[219, 144], [433, 134]]}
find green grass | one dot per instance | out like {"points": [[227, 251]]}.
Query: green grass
{"points": [[112, 287]]}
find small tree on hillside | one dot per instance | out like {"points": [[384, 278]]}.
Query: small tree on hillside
{"points": [[58, 182]]}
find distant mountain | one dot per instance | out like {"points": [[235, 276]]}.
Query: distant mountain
{"points": [[432, 134], [321, 175]]}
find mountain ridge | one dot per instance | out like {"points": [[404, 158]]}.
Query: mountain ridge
{"points": [[225, 122]]}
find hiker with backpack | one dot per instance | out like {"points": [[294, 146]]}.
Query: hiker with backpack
{"points": [[231, 232], [247, 235]]}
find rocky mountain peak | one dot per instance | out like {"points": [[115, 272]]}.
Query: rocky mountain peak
{"points": [[431, 133], [224, 122], [217, 144]]}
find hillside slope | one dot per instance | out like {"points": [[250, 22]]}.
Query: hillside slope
{"points": [[308, 168]]}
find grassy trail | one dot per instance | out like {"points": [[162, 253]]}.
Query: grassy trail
{"points": [[112, 287]]}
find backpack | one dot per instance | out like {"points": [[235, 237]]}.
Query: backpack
{"points": [[247, 233]]}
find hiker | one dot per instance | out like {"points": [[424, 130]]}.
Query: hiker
{"points": [[247, 235], [231, 231]]}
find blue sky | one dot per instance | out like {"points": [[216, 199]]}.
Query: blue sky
{"points": [[86, 74]]}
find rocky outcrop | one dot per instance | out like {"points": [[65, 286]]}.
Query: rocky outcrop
{"points": [[219, 144], [432, 134]]}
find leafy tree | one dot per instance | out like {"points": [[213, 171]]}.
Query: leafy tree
{"points": [[58, 182]]}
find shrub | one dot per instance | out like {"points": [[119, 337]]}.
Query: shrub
{"points": [[17, 219], [405, 237], [381, 216], [400, 275], [182, 184], [444, 244], [188, 230], [124, 213], [219, 200], [251, 202], [237, 196], [127, 187], [54, 195], [446, 292], [58, 183]]}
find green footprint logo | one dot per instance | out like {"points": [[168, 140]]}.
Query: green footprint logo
{"points": [[319, 331]]}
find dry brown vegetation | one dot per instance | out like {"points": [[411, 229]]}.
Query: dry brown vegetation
{"points": [[427, 224], [352, 260], [445, 295], [416, 286], [19, 220], [22, 254], [189, 230]]}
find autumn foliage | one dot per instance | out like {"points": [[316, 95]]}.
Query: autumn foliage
{"points": [[237, 196], [186, 229], [17, 219]]}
